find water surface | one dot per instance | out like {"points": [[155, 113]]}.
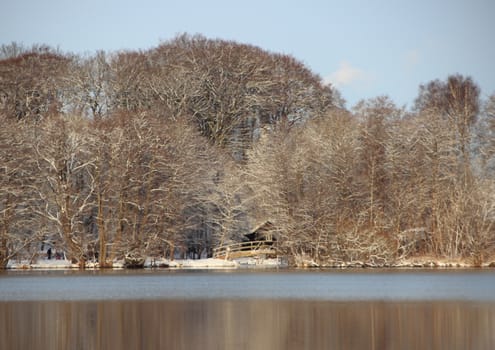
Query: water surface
{"points": [[388, 285], [379, 309]]}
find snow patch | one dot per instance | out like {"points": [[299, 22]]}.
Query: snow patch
{"points": [[41, 264], [156, 263]]}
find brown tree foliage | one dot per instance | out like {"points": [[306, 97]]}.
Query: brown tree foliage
{"points": [[19, 229], [179, 148], [309, 186], [65, 184], [32, 84], [228, 89]]}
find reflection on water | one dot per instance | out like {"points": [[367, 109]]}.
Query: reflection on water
{"points": [[246, 324]]}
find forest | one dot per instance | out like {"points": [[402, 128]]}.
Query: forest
{"points": [[180, 148]]}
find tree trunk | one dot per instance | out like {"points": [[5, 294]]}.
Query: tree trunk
{"points": [[4, 251], [102, 235]]}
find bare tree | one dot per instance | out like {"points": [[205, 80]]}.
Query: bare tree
{"points": [[194, 142], [305, 182], [127, 89], [457, 100], [155, 184], [485, 138], [376, 116], [65, 183], [231, 89], [32, 83], [233, 204], [453, 107], [19, 229], [89, 80], [11, 50]]}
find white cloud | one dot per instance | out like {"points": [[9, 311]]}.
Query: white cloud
{"points": [[346, 75]]}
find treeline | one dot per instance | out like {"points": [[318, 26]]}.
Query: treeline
{"points": [[193, 143]]}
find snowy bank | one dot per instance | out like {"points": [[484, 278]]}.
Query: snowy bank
{"points": [[41, 264], [209, 263], [248, 262], [190, 263], [216, 263]]}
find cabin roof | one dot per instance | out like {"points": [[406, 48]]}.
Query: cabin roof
{"points": [[260, 229]]}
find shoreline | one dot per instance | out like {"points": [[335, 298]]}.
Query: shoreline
{"points": [[252, 263]]}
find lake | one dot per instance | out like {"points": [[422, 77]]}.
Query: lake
{"points": [[248, 309]]}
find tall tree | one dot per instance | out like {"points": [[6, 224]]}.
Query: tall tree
{"points": [[127, 90], [32, 83], [231, 90], [89, 81], [156, 185], [486, 137], [305, 182], [376, 117], [19, 229], [452, 108], [65, 183], [457, 100]]}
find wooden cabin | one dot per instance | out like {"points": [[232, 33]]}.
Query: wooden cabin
{"points": [[262, 232], [259, 241]]}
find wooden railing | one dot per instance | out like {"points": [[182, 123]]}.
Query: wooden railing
{"points": [[244, 249]]}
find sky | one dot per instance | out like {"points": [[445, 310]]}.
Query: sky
{"points": [[364, 48]]}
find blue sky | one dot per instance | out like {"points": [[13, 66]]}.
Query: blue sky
{"points": [[365, 48]]}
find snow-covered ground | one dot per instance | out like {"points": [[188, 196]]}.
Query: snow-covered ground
{"points": [[190, 263], [252, 262], [216, 263], [209, 263], [41, 264]]}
